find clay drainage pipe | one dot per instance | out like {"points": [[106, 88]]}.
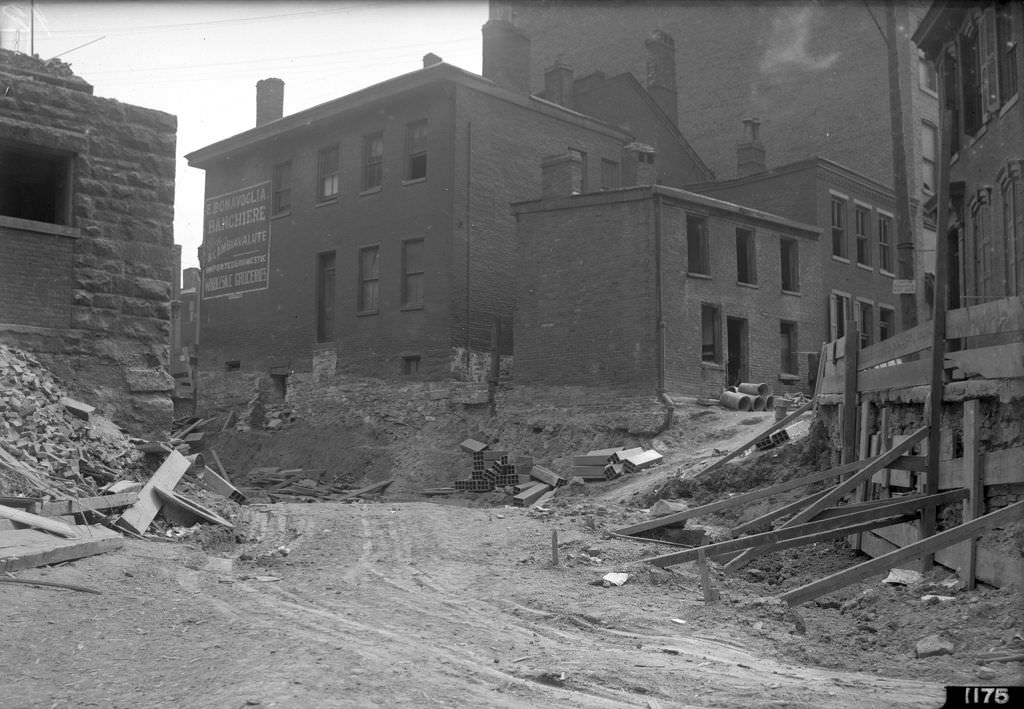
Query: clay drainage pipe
{"points": [[753, 389], [736, 401]]}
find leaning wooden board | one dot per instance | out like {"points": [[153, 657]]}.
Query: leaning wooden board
{"points": [[28, 548], [138, 516], [179, 500]]}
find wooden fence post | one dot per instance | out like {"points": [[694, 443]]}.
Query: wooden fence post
{"points": [[974, 506]]}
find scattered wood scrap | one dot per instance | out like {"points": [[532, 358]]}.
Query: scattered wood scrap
{"points": [[138, 517], [28, 548]]}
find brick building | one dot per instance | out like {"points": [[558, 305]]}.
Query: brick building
{"points": [[857, 257], [372, 234], [86, 242], [662, 290], [815, 74], [977, 51]]}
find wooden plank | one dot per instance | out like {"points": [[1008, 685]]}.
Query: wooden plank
{"points": [[139, 516], [778, 425], [975, 506], [192, 507], [896, 377], [899, 345], [368, 490], [215, 483], [782, 542], [741, 499], [762, 520], [37, 521], [914, 463], [1004, 315], [832, 495], [831, 384], [899, 508], [29, 548], [927, 546], [88, 504], [1002, 467], [943, 498], [863, 451], [996, 362], [849, 419]]}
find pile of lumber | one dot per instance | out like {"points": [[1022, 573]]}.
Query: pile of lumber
{"points": [[610, 463], [304, 485]]}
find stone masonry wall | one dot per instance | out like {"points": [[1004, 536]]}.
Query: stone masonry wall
{"points": [[107, 336]]}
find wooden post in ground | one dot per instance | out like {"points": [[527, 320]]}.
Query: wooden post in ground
{"points": [[710, 594], [974, 506], [864, 448], [885, 443], [554, 548], [852, 343]]}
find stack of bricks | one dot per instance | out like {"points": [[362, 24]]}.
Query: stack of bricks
{"points": [[616, 462], [776, 439], [491, 469]]}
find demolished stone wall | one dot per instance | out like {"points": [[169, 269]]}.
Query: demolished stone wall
{"points": [[107, 336]]}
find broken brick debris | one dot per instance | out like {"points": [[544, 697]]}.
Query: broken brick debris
{"points": [[471, 446]]}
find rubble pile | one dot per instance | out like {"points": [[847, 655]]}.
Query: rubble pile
{"points": [[51, 444]]}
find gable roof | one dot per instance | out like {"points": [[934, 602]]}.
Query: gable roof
{"points": [[438, 73], [588, 84]]}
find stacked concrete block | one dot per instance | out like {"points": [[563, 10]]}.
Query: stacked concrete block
{"points": [[642, 461]]}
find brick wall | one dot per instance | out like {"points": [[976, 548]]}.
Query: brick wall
{"points": [[587, 294], [113, 352], [36, 285], [509, 142]]}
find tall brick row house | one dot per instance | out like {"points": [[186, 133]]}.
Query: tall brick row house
{"points": [[372, 234], [977, 49], [86, 242]]}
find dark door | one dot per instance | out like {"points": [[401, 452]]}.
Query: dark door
{"points": [[736, 361]]}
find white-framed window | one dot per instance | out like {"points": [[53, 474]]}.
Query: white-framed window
{"points": [[416, 150], [368, 299], [929, 151], [862, 232], [927, 80], [327, 173], [865, 315], [839, 205], [886, 233], [373, 161], [886, 322], [698, 259], [281, 185]]}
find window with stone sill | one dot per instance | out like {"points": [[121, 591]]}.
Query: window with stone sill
{"points": [[35, 184]]}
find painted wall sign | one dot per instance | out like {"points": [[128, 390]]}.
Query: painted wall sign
{"points": [[901, 286], [236, 242]]}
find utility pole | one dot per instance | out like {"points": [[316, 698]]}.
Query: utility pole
{"points": [[904, 228]]}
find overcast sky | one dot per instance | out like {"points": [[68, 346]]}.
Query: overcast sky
{"points": [[201, 61]]}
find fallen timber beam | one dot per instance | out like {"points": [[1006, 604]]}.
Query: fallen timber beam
{"points": [[763, 520], [832, 495], [735, 452], [742, 499], [902, 501], [88, 504], [893, 509], [881, 564], [781, 538]]}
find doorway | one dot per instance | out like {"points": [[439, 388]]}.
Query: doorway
{"points": [[737, 358]]}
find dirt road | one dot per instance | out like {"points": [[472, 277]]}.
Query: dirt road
{"points": [[402, 604]]}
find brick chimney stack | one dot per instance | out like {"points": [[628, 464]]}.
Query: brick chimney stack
{"points": [[638, 165], [506, 58], [558, 84], [750, 154], [561, 175], [661, 72], [269, 100]]}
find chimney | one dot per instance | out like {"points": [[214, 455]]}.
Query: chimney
{"points": [[638, 165], [561, 175], [430, 59], [269, 100], [506, 59], [661, 72], [558, 84], [750, 152]]}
